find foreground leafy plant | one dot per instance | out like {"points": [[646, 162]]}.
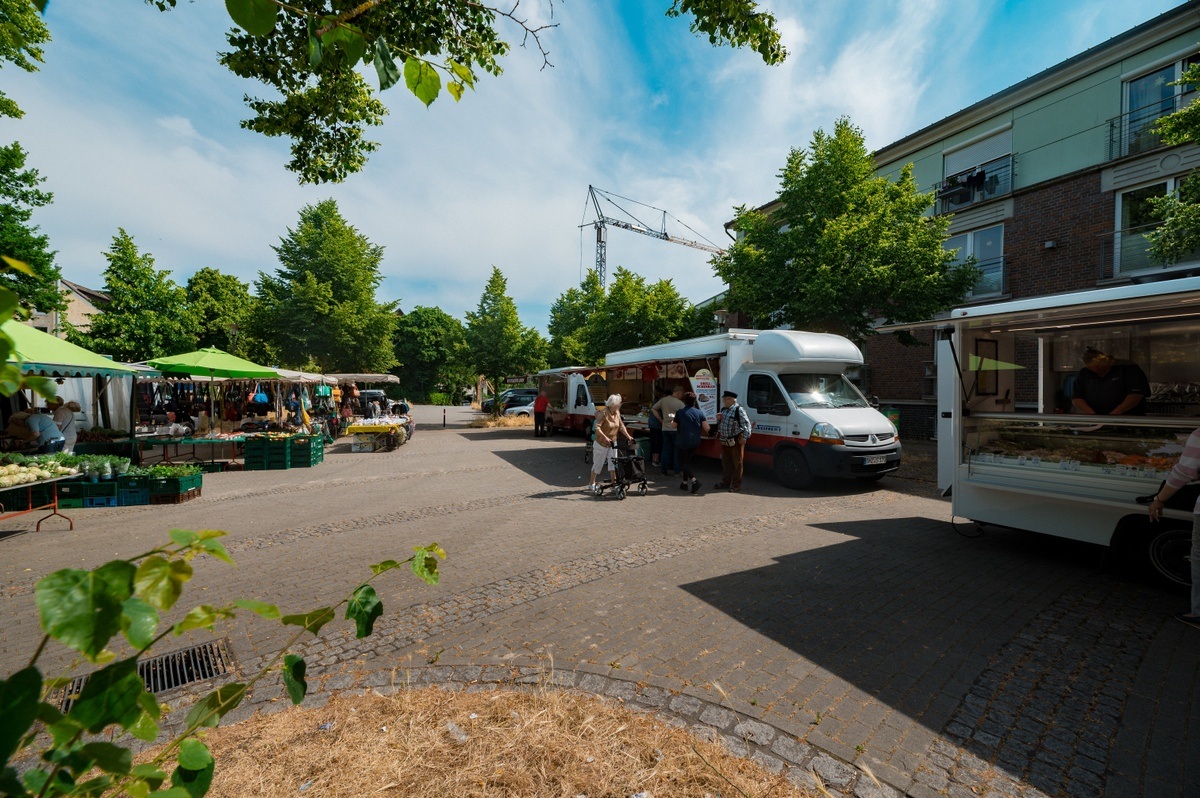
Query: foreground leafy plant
{"points": [[85, 611]]}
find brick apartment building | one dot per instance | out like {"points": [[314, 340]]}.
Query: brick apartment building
{"points": [[1047, 182]]}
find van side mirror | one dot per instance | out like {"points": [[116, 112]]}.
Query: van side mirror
{"points": [[873, 401]]}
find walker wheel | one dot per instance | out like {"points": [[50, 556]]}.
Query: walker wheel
{"points": [[620, 491], [642, 489]]}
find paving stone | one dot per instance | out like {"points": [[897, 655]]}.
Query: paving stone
{"points": [[795, 752], [592, 683], [767, 762], [685, 705], [716, 716], [706, 733], [865, 788], [736, 745], [754, 731], [831, 771]]}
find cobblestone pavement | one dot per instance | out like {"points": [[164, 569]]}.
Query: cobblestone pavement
{"points": [[846, 635]]}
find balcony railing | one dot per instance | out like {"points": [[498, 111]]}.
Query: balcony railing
{"points": [[1133, 132], [993, 279], [1125, 253], [980, 184]]}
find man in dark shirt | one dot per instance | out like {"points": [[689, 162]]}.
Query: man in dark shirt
{"points": [[1107, 388]]}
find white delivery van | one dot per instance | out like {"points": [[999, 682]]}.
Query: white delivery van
{"points": [[809, 420], [1014, 451], [574, 393]]}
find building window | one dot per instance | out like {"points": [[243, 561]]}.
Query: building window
{"points": [[1148, 98], [977, 172], [1135, 220], [986, 246]]}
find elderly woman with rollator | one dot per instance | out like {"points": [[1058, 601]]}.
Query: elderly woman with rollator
{"points": [[608, 428], [1185, 471]]}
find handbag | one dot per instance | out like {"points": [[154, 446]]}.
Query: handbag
{"points": [[1184, 499], [260, 397]]}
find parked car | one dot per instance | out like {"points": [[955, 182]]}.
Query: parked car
{"points": [[510, 398], [521, 410]]}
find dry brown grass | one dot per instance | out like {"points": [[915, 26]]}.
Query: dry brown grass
{"points": [[501, 421], [433, 743]]}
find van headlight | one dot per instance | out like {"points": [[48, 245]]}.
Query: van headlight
{"points": [[824, 432]]}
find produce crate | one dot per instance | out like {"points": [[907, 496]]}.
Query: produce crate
{"points": [[307, 451], [73, 490], [70, 504], [15, 500], [132, 498], [212, 468], [174, 485], [100, 501], [104, 488], [133, 483]]}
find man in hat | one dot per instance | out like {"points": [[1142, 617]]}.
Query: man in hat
{"points": [[733, 430], [1105, 387]]}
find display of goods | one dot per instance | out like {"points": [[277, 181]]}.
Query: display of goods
{"points": [[100, 435], [174, 485], [12, 475]]}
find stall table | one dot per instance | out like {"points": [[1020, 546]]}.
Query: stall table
{"points": [[193, 442], [33, 507], [370, 437]]}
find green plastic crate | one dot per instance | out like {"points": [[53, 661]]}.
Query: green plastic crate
{"points": [[133, 483], [73, 490], [70, 504]]}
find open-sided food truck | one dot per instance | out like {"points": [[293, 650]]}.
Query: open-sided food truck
{"points": [[809, 420], [1013, 449], [574, 393]]}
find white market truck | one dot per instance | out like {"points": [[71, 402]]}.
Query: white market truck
{"points": [[808, 419], [1012, 449]]}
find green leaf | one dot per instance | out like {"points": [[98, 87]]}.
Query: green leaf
{"points": [[40, 5], [364, 607], [422, 80], [9, 303], [315, 50], [312, 621], [145, 728], [216, 549], [110, 758], [10, 783], [294, 669], [194, 754], [463, 72], [214, 706], [110, 696], [42, 386], [82, 609], [195, 783], [456, 89], [173, 792], [139, 621], [350, 42], [201, 617], [20, 695], [160, 581], [256, 17], [268, 611], [18, 265], [151, 773], [385, 65], [386, 565], [425, 562], [184, 537]]}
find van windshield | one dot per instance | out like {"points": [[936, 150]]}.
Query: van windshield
{"points": [[822, 390]]}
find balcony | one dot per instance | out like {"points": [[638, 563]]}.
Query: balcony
{"points": [[993, 279], [1133, 133], [1126, 254], [973, 186]]}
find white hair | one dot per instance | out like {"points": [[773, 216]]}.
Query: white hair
{"points": [[613, 401]]}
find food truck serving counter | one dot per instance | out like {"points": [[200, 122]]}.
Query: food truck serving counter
{"points": [[1014, 446]]}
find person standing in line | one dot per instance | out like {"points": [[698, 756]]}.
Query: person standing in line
{"points": [[608, 427], [733, 429], [664, 410], [1185, 471], [540, 405], [691, 426], [63, 414]]}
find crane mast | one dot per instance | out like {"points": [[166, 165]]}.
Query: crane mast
{"points": [[603, 220]]}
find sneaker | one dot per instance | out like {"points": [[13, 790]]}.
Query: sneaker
{"points": [[1189, 619], [695, 486], [683, 486], [721, 486]]}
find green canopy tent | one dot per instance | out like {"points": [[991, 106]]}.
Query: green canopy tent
{"points": [[214, 363], [44, 355]]}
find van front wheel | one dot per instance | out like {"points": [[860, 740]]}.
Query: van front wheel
{"points": [[791, 469]]}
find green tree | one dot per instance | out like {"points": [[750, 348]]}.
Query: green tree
{"points": [[499, 344], [844, 246], [633, 314], [146, 315], [431, 349], [318, 310], [20, 193], [22, 34], [220, 306], [308, 53], [1179, 234], [569, 316]]}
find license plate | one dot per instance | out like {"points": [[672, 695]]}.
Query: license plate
{"points": [[875, 459]]}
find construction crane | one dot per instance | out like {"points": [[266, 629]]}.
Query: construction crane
{"points": [[636, 225]]}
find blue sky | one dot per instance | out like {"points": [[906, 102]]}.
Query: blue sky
{"points": [[135, 125]]}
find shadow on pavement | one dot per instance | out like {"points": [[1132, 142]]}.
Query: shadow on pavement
{"points": [[1014, 641]]}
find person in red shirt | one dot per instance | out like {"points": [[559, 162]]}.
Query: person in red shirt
{"points": [[539, 414]]}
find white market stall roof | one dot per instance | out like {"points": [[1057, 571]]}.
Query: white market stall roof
{"points": [[305, 376], [390, 379]]}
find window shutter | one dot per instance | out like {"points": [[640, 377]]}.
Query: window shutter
{"points": [[979, 153]]}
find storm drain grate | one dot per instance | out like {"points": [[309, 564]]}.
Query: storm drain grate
{"points": [[165, 671]]}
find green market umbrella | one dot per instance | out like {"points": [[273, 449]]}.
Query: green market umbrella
{"points": [[43, 354], [215, 363]]}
